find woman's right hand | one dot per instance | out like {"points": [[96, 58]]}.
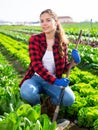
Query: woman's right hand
{"points": [[62, 82]]}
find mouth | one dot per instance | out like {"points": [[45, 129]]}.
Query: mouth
{"points": [[45, 28]]}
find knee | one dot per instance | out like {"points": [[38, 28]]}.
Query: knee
{"points": [[29, 95], [26, 89], [23, 93], [69, 100]]}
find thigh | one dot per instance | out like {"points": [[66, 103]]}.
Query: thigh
{"points": [[31, 86], [54, 92]]}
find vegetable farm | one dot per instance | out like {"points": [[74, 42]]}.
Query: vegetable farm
{"points": [[16, 114]]}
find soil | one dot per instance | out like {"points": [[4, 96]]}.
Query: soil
{"points": [[13, 62], [73, 126], [94, 44], [91, 43]]}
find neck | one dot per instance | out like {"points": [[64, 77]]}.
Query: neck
{"points": [[50, 36]]}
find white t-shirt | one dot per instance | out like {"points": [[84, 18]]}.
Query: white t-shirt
{"points": [[48, 61]]}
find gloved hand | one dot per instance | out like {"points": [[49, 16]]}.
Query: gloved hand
{"points": [[62, 82], [76, 56]]}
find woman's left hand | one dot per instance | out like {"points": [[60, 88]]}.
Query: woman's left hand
{"points": [[76, 56]]}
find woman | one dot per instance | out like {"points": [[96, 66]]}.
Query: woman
{"points": [[49, 60]]}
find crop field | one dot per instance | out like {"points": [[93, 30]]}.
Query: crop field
{"points": [[16, 114]]}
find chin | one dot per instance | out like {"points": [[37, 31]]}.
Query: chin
{"points": [[47, 32]]}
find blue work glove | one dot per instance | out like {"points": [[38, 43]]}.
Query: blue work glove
{"points": [[76, 56], [62, 82]]}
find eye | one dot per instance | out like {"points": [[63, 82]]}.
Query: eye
{"points": [[41, 21], [48, 20]]}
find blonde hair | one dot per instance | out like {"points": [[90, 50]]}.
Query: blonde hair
{"points": [[59, 31]]}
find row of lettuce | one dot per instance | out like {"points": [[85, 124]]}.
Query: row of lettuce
{"points": [[88, 54], [14, 113], [90, 30], [83, 83]]}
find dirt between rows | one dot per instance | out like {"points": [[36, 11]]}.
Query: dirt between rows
{"points": [[94, 44], [91, 43], [73, 126]]}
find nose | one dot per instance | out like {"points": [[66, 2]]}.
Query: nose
{"points": [[44, 23]]}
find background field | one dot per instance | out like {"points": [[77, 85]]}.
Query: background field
{"points": [[16, 114]]}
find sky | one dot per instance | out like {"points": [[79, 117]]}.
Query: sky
{"points": [[29, 10]]}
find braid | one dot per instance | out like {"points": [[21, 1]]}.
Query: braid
{"points": [[62, 39]]}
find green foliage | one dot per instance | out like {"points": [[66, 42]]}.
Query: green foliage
{"points": [[95, 124], [9, 90], [26, 110], [78, 104], [92, 100], [87, 115], [26, 118]]}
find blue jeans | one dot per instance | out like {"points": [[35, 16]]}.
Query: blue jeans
{"points": [[32, 88]]}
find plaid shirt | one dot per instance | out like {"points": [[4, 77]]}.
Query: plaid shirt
{"points": [[37, 48]]}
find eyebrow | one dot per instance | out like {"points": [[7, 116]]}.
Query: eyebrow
{"points": [[46, 18]]}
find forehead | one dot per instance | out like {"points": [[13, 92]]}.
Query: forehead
{"points": [[45, 15]]}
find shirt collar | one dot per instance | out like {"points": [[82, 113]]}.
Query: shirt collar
{"points": [[43, 39]]}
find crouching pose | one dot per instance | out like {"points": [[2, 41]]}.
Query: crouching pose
{"points": [[49, 60]]}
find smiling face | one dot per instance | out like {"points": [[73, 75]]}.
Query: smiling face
{"points": [[48, 23]]}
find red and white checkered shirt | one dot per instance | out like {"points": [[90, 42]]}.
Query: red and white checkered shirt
{"points": [[37, 48]]}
